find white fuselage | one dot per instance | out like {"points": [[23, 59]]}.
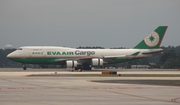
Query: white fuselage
{"points": [[72, 53], [64, 52]]}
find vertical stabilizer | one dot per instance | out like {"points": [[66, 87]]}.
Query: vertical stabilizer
{"points": [[153, 40]]}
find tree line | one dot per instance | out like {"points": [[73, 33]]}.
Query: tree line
{"points": [[170, 58], [4, 62]]}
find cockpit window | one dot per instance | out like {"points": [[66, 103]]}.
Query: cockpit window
{"points": [[20, 49]]}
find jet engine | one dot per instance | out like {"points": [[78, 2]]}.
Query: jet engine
{"points": [[71, 64], [97, 62]]}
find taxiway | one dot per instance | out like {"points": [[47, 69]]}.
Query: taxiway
{"points": [[18, 88]]}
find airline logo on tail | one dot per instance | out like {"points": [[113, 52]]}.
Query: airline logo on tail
{"points": [[152, 39]]}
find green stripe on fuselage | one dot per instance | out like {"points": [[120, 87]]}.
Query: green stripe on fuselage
{"points": [[54, 60], [36, 60]]}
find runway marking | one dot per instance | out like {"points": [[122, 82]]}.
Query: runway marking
{"points": [[112, 88], [132, 95], [106, 89], [175, 100], [24, 83], [19, 88], [44, 87]]}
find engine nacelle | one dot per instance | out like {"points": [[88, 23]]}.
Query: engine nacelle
{"points": [[71, 64], [97, 62]]}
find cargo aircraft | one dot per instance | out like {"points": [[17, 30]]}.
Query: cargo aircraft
{"points": [[85, 59]]}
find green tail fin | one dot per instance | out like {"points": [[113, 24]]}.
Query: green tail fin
{"points": [[153, 40]]}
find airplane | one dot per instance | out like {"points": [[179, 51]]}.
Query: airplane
{"points": [[85, 59]]}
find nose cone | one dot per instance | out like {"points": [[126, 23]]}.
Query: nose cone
{"points": [[12, 55], [9, 55]]}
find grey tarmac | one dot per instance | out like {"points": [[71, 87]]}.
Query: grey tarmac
{"points": [[19, 89]]}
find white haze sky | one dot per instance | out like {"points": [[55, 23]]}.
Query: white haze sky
{"points": [[73, 23]]}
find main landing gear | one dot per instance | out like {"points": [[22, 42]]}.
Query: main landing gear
{"points": [[83, 67], [24, 67], [77, 68]]}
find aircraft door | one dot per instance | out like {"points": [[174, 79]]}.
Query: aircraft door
{"points": [[44, 53]]}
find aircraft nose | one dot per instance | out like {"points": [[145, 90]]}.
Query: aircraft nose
{"points": [[9, 55]]}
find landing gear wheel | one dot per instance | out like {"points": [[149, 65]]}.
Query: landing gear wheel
{"points": [[24, 68], [72, 70], [87, 67], [80, 70]]}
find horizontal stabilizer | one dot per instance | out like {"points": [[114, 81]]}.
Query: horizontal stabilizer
{"points": [[152, 52]]}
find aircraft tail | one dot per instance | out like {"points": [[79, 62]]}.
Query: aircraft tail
{"points": [[153, 40]]}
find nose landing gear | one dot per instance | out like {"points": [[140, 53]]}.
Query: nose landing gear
{"points": [[24, 67]]}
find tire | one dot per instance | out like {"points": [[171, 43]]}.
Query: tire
{"points": [[80, 70], [24, 68], [88, 68]]}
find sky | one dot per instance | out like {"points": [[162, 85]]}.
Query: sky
{"points": [[73, 23]]}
